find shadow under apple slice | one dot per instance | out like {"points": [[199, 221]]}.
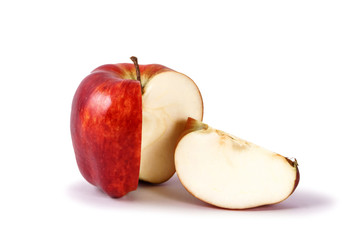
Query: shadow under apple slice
{"points": [[299, 200], [170, 192]]}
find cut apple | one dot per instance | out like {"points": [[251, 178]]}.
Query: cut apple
{"points": [[230, 172], [168, 99], [125, 122]]}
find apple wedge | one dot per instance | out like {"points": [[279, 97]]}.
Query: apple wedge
{"points": [[230, 172]]}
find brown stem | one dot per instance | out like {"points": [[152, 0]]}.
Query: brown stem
{"points": [[135, 61]]}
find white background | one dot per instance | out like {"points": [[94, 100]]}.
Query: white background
{"points": [[282, 74]]}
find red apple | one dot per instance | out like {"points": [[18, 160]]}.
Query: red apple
{"points": [[125, 122]]}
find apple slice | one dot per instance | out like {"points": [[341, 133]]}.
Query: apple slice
{"points": [[229, 172]]}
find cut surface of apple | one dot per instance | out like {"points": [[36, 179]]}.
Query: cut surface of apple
{"points": [[168, 99], [230, 172]]}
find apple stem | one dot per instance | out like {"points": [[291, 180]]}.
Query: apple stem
{"points": [[136, 64], [295, 163]]}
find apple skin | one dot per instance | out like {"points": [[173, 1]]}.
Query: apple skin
{"points": [[191, 126], [106, 125]]}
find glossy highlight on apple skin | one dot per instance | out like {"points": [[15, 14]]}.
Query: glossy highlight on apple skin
{"points": [[106, 123]]}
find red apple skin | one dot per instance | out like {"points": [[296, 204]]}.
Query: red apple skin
{"points": [[106, 124]]}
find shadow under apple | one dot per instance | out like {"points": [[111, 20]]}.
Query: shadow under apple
{"points": [[172, 194]]}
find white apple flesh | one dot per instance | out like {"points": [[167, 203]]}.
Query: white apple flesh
{"points": [[230, 172], [168, 99]]}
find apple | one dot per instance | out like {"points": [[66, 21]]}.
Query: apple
{"points": [[229, 172], [125, 122]]}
